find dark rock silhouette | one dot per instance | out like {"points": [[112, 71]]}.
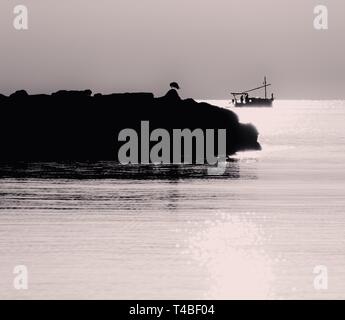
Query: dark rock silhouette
{"points": [[74, 125], [19, 94], [170, 97]]}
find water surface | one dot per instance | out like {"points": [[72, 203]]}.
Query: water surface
{"points": [[171, 232]]}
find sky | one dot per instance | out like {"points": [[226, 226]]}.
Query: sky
{"points": [[209, 47]]}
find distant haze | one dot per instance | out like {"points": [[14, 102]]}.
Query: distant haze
{"points": [[209, 47]]}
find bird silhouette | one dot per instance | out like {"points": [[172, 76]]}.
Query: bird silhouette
{"points": [[174, 85]]}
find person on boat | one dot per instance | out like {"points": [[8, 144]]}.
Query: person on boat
{"points": [[242, 98]]}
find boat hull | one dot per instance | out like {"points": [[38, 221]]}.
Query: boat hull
{"points": [[255, 103]]}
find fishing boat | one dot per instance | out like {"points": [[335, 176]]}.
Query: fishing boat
{"points": [[242, 99]]}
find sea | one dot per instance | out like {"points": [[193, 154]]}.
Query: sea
{"points": [[271, 227]]}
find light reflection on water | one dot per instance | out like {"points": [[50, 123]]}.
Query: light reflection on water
{"points": [[231, 250], [174, 232]]}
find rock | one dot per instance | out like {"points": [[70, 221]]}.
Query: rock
{"points": [[19, 94], [74, 125]]}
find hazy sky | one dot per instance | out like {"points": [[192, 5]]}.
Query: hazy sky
{"points": [[209, 47]]}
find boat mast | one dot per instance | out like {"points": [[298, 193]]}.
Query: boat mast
{"points": [[265, 85]]}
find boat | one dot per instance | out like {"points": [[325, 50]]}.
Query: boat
{"points": [[242, 99]]}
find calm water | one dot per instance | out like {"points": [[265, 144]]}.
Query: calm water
{"points": [[174, 232]]}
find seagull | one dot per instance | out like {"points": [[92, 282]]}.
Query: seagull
{"points": [[174, 85]]}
